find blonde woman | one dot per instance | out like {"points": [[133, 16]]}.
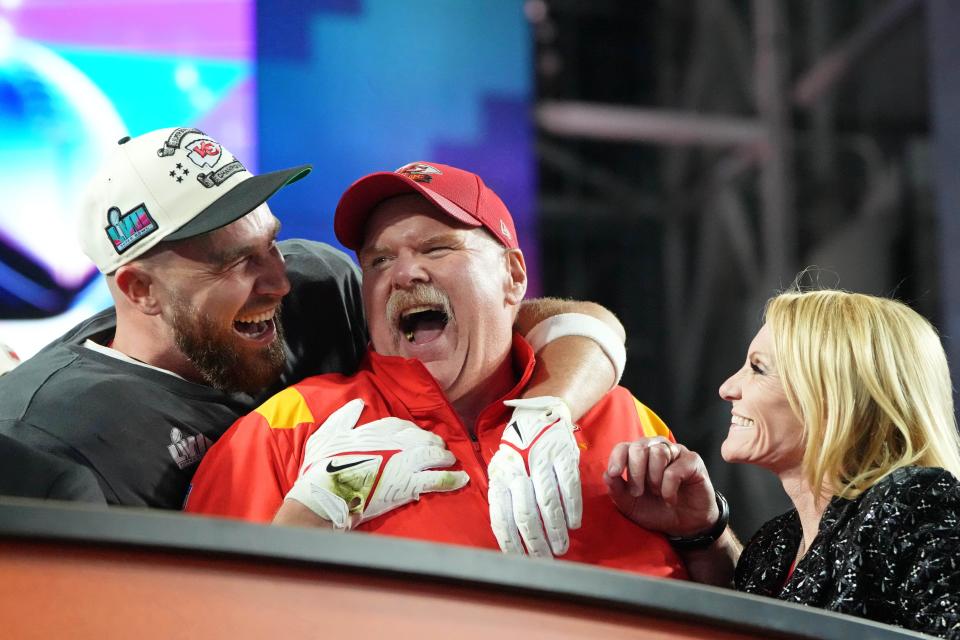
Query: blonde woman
{"points": [[847, 398]]}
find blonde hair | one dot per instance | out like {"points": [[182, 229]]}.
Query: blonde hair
{"points": [[869, 379]]}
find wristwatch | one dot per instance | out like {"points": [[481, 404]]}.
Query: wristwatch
{"points": [[707, 538]]}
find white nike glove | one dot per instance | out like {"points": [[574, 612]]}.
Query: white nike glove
{"points": [[538, 463], [349, 476]]}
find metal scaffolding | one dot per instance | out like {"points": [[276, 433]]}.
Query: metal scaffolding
{"points": [[733, 155]]}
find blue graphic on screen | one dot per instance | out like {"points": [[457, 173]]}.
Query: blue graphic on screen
{"points": [[142, 86], [371, 85], [352, 86]]}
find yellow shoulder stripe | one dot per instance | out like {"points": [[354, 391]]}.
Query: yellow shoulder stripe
{"points": [[652, 424], [285, 410]]}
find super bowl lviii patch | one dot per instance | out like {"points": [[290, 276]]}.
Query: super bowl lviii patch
{"points": [[126, 229]]}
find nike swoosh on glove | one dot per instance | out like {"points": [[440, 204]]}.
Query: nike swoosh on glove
{"points": [[351, 475], [534, 493]]}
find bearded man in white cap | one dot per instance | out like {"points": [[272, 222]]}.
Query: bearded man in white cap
{"points": [[188, 246]]}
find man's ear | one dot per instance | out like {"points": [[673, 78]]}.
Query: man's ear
{"points": [[517, 270], [136, 287]]}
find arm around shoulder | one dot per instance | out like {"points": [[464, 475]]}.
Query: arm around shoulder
{"points": [[580, 350], [536, 310]]}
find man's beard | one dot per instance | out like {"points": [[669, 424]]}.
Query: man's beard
{"points": [[215, 354]]}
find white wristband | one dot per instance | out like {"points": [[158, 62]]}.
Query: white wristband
{"points": [[580, 324]]}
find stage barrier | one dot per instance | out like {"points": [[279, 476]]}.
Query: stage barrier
{"points": [[72, 571]]}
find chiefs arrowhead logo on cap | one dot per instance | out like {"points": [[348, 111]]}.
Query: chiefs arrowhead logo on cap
{"points": [[418, 172], [204, 152]]}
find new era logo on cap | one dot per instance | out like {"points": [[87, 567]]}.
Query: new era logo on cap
{"points": [[168, 184], [460, 194]]}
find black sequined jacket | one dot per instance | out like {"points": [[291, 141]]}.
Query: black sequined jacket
{"points": [[891, 555]]}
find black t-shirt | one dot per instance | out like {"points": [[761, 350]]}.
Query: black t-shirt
{"points": [[143, 431], [28, 473]]}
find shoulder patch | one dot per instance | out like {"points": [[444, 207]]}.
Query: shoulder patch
{"points": [[652, 424], [285, 410]]}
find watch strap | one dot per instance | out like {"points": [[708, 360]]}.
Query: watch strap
{"points": [[707, 538]]}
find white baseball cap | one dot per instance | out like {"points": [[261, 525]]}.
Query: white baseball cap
{"points": [[168, 184]]}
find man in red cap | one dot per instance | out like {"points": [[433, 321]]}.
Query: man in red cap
{"points": [[443, 279], [212, 315]]}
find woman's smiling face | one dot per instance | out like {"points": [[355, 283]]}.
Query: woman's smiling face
{"points": [[764, 430]]}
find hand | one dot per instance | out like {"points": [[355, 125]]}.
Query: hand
{"points": [[537, 465], [666, 488], [350, 475]]}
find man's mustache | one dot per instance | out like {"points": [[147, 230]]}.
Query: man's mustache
{"points": [[421, 294]]}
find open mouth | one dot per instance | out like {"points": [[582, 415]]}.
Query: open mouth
{"points": [[255, 327], [423, 324]]}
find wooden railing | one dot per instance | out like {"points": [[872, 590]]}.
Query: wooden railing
{"points": [[69, 571]]}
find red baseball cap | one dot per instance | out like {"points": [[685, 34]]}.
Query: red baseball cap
{"points": [[460, 194]]}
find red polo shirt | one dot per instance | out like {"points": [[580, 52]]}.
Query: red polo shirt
{"points": [[247, 473]]}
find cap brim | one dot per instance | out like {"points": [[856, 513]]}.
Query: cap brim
{"points": [[359, 200], [239, 201]]}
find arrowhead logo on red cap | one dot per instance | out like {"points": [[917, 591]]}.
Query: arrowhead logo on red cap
{"points": [[419, 172]]}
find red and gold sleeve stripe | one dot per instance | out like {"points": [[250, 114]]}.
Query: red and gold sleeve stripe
{"points": [[651, 422], [286, 410]]}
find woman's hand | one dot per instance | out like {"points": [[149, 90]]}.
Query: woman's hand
{"points": [[662, 486]]}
